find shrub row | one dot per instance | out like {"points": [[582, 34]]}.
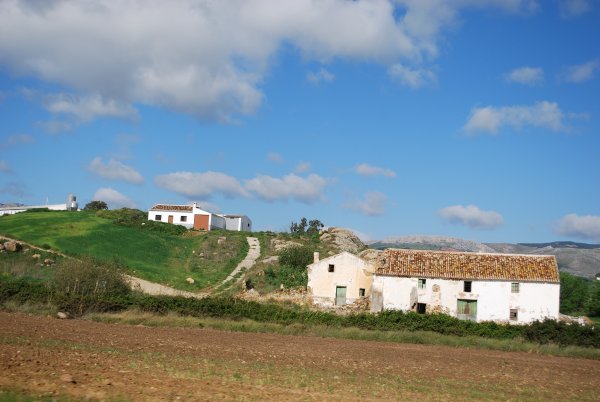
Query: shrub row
{"points": [[139, 219], [560, 333]]}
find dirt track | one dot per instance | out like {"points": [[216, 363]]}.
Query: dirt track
{"points": [[108, 361]]}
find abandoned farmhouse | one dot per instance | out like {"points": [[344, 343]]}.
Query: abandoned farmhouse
{"points": [[193, 217], [471, 286]]}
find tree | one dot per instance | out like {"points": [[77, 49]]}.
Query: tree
{"points": [[306, 227], [314, 226], [573, 294], [593, 306], [95, 206]]}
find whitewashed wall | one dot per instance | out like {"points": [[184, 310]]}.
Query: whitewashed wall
{"points": [[164, 217], [349, 271], [535, 301]]}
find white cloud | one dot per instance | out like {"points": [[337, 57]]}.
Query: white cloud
{"points": [[201, 185], [373, 205], [526, 75], [17, 139], [490, 119], [13, 188], [88, 108], [115, 170], [212, 61], [113, 198], [302, 167], [365, 169], [585, 227], [55, 126], [274, 157], [413, 78], [4, 168], [317, 77], [472, 217], [574, 8], [581, 72], [304, 189]]}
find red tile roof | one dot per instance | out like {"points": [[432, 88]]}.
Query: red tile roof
{"points": [[462, 265], [164, 207]]}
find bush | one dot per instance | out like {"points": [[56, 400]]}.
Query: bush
{"points": [[139, 219], [296, 256], [79, 286]]}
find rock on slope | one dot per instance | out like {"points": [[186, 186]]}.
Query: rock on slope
{"points": [[342, 239]]}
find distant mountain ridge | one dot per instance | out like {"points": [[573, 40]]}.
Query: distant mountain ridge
{"points": [[579, 259]]}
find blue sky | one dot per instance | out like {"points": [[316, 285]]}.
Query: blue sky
{"points": [[475, 119]]}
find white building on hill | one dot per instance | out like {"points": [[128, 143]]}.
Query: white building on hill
{"points": [[70, 205], [193, 217]]}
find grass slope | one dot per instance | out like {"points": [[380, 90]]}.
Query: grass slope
{"points": [[153, 256]]}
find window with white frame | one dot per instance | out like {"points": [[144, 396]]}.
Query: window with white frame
{"points": [[421, 283], [514, 287]]}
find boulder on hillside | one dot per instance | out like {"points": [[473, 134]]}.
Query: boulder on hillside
{"points": [[13, 246], [343, 239], [279, 244]]}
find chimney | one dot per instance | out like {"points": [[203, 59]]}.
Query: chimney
{"points": [[316, 256], [195, 205]]}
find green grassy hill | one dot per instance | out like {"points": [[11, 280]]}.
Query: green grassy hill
{"points": [[155, 256]]}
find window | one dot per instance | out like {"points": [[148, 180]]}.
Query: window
{"points": [[421, 283], [157, 217], [361, 292], [421, 308], [468, 286], [514, 314], [514, 287], [331, 268], [183, 219]]}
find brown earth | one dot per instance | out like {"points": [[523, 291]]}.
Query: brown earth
{"points": [[47, 357]]}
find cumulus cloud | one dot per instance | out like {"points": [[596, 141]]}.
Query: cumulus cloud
{"points": [[316, 77], [88, 108], [115, 170], [581, 72], [574, 8], [413, 78], [211, 63], [304, 189], [373, 205], [55, 126], [365, 169], [584, 227], [490, 119], [202, 185], [471, 216], [4, 168], [113, 198], [302, 167], [526, 75]]}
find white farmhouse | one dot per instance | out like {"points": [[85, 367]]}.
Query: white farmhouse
{"points": [[70, 205], [193, 217], [340, 279], [472, 286]]}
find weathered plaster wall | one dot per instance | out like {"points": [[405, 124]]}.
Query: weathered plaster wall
{"points": [[535, 301], [349, 271]]}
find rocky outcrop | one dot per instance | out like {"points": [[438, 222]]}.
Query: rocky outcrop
{"points": [[13, 246], [343, 239], [279, 244]]}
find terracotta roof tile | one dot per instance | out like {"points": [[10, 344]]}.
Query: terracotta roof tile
{"points": [[164, 207], [462, 265]]}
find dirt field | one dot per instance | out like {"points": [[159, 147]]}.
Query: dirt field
{"points": [[48, 357]]}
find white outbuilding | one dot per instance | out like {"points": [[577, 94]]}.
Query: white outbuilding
{"points": [[340, 279], [193, 217], [471, 286]]}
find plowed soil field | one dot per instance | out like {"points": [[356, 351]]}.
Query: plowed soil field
{"points": [[45, 357]]}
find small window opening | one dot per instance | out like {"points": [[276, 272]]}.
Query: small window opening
{"points": [[331, 268], [361, 292], [422, 283], [514, 287], [184, 219], [157, 217], [421, 308], [468, 286], [514, 314]]}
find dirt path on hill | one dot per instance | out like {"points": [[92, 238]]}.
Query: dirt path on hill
{"points": [[50, 358], [249, 260]]}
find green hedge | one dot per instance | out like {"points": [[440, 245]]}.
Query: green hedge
{"points": [[23, 289]]}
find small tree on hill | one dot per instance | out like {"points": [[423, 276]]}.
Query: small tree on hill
{"points": [[95, 206], [306, 227]]}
